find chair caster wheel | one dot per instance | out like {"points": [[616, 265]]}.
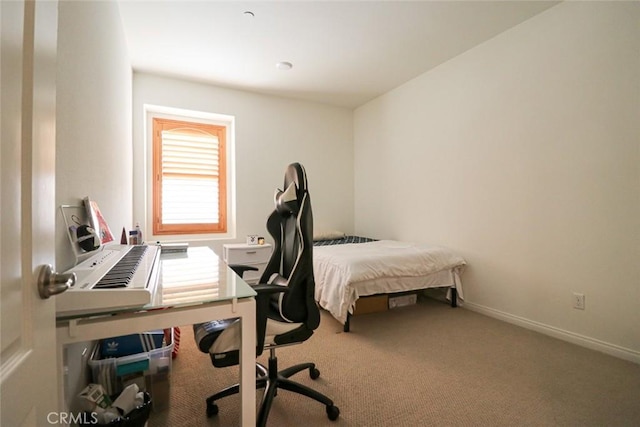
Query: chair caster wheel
{"points": [[333, 412], [212, 409], [314, 373]]}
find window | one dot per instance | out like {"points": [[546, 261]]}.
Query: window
{"points": [[189, 177]]}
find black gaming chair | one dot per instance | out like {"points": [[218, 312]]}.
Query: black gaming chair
{"points": [[286, 310]]}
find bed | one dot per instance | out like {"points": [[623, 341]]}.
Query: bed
{"points": [[347, 268]]}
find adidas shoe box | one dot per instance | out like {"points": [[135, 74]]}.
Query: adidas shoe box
{"points": [[150, 370], [127, 345]]}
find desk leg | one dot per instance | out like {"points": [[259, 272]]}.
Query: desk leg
{"points": [[247, 311]]}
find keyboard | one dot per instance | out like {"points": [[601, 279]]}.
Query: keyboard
{"points": [[116, 277]]}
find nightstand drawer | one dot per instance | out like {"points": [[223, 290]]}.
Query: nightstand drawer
{"points": [[246, 254], [243, 254]]}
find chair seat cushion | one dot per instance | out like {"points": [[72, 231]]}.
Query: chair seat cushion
{"points": [[206, 333], [221, 336]]}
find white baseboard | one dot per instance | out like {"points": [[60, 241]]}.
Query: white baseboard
{"points": [[581, 340]]}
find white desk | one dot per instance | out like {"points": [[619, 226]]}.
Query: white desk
{"points": [[193, 287]]}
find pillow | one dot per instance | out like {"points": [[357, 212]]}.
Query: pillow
{"points": [[287, 201], [320, 234]]}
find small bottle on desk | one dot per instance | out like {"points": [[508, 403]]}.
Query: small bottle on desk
{"points": [[139, 233]]}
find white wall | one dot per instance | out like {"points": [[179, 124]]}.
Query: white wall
{"points": [[93, 145], [93, 134], [270, 133], [523, 155]]}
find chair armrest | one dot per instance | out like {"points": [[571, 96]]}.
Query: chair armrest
{"points": [[269, 289], [239, 269], [264, 292]]}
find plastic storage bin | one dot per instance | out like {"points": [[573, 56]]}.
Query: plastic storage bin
{"points": [[150, 370], [136, 418]]}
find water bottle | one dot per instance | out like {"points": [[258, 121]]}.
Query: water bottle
{"points": [[139, 233]]}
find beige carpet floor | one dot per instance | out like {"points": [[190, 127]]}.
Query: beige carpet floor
{"points": [[424, 365]]}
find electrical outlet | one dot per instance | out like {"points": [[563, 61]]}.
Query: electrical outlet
{"points": [[578, 301]]}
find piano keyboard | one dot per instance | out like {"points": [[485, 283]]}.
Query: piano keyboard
{"points": [[121, 274], [116, 277]]}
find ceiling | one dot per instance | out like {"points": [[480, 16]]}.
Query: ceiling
{"points": [[343, 53]]}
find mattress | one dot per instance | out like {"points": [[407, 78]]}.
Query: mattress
{"points": [[345, 272]]}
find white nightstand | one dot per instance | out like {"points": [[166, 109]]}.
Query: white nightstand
{"points": [[253, 255]]}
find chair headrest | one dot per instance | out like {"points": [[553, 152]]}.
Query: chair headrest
{"points": [[295, 186], [287, 201], [295, 173]]}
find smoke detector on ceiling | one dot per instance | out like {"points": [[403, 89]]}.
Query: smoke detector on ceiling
{"points": [[284, 65]]}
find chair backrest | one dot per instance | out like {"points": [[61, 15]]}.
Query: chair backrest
{"points": [[291, 226]]}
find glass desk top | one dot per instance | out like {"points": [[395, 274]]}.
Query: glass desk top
{"points": [[197, 276]]}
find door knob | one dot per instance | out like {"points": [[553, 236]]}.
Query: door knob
{"points": [[52, 283]]}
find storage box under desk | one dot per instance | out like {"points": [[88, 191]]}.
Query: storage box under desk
{"points": [[150, 370]]}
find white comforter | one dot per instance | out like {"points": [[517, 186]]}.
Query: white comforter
{"points": [[338, 267]]}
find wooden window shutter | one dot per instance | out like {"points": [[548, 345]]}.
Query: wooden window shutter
{"points": [[189, 170]]}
